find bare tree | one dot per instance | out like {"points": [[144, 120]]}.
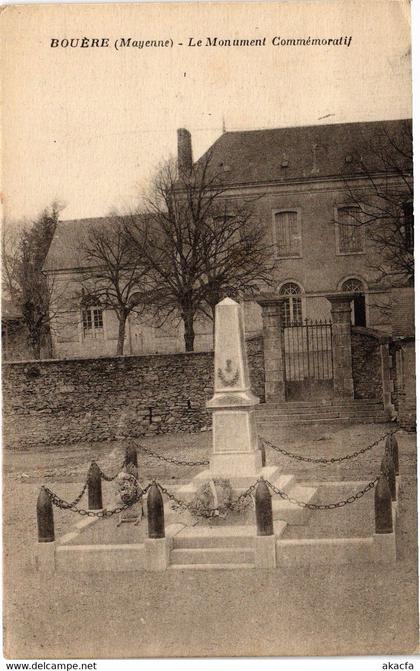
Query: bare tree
{"points": [[200, 245], [237, 259], [10, 242], [24, 282], [380, 196], [116, 275]]}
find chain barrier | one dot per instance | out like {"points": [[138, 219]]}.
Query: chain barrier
{"points": [[323, 506], [110, 478], [65, 505], [324, 460], [234, 504], [78, 497], [171, 460]]}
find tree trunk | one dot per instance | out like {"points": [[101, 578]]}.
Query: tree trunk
{"points": [[189, 335], [36, 349], [121, 334]]}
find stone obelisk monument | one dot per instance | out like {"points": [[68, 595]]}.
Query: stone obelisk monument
{"points": [[235, 443]]}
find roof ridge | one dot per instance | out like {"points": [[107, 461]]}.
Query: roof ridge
{"points": [[317, 125]]}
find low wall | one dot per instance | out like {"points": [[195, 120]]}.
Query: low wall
{"points": [[86, 400], [366, 364], [407, 385]]}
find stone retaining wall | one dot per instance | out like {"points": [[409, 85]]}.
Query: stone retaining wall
{"points": [[86, 400], [366, 364]]}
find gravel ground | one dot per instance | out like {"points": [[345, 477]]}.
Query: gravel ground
{"points": [[360, 609]]}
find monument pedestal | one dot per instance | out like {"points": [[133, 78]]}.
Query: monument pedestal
{"points": [[235, 441], [238, 465], [235, 451], [235, 444]]}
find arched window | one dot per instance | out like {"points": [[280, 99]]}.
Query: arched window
{"points": [[353, 284], [291, 307], [358, 311]]}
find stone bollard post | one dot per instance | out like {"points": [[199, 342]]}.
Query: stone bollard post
{"points": [[263, 510], [383, 506], [44, 554], [131, 455], [391, 445], [384, 547], [156, 545], [263, 456], [387, 467], [155, 514], [265, 540], [94, 487], [45, 518]]}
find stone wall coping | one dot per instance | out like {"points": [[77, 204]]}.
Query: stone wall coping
{"points": [[402, 339], [383, 338], [122, 357], [156, 355]]}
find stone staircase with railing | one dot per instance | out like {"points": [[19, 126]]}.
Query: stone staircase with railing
{"points": [[318, 412]]}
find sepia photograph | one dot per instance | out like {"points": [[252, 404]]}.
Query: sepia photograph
{"points": [[208, 336]]}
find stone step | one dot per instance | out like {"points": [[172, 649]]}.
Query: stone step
{"points": [[191, 541], [365, 419], [187, 492], [284, 482], [310, 410], [210, 567], [268, 472], [334, 414], [220, 537], [292, 513], [354, 403], [224, 555]]}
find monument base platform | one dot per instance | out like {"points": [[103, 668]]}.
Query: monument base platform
{"points": [[236, 465]]}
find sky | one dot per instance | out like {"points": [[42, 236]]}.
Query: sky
{"points": [[89, 127]]}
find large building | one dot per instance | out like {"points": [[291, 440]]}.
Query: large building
{"points": [[299, 180]]}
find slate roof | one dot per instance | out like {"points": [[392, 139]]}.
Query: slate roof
{"points": [[250, 157], [66, 249], [310, 151]]}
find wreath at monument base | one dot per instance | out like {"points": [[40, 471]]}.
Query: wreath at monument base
{"points": [[213, 499], [127, 486]]}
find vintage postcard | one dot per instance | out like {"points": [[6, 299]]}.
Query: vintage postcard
{"points": [[208, 348]]}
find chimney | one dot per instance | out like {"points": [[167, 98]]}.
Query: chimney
{"points": [[185, 160]]}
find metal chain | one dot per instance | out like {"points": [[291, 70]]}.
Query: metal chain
{"points": [[324, 460], [323, 506], [171, 460], [110, 478], [233, 505], [65, 505], [78, 498], [236, 504]]}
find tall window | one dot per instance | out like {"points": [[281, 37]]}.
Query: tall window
{"points": [[408, 226], [349, 230], [288, 235], [291, 307], [93, 325]]}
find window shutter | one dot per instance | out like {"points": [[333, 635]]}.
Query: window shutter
{"points": [[288, 234]]}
